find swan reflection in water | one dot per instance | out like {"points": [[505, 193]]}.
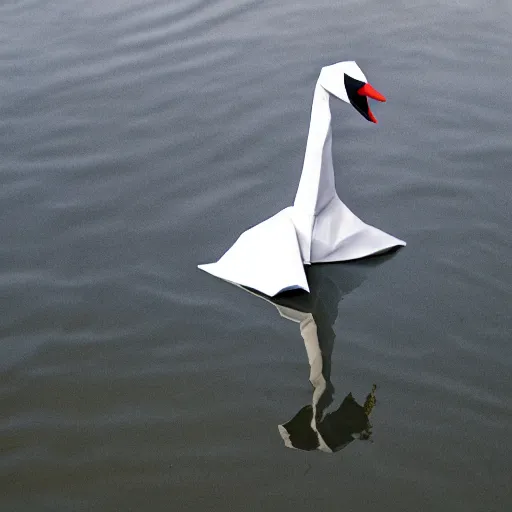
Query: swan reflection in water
{"points": [[313, 428]]}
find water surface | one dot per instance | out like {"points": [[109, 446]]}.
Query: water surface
{"points": [[139, 139]]}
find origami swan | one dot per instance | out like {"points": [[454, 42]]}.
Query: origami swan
{"points": [[318, 228]]}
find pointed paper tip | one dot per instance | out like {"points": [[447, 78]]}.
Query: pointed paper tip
{"points": [[371, 117], [368, 91]]}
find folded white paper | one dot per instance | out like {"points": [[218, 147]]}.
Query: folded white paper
{"points": [[265, 257], [319, 227]]}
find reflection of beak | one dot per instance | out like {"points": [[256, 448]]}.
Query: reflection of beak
{"points": [[368, 91]]}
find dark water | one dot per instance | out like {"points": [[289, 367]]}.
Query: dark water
{"points": [[138, 139]]}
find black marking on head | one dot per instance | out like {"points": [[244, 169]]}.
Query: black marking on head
{"points": [[360, 103]]}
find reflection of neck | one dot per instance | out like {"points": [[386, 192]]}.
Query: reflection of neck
{"points": [[316, 187], [309, 333]]}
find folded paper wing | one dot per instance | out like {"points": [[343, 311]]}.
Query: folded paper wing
{"points": [[265, 257], [339, 235], [318, 228]]}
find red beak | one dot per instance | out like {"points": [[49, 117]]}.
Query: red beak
{"points": [[368, 91]]}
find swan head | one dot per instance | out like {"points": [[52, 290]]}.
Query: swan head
{"points": [[346, 81]]}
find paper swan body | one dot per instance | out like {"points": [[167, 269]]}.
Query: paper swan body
{"points": [[318, 228]]}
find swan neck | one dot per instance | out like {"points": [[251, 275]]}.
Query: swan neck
{"points": [[316, 186]]}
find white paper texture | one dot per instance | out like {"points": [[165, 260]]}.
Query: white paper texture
{"points": [[265, 257], [319, 227]]}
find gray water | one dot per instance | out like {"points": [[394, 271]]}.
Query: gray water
{"points": [[140, 138]]}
